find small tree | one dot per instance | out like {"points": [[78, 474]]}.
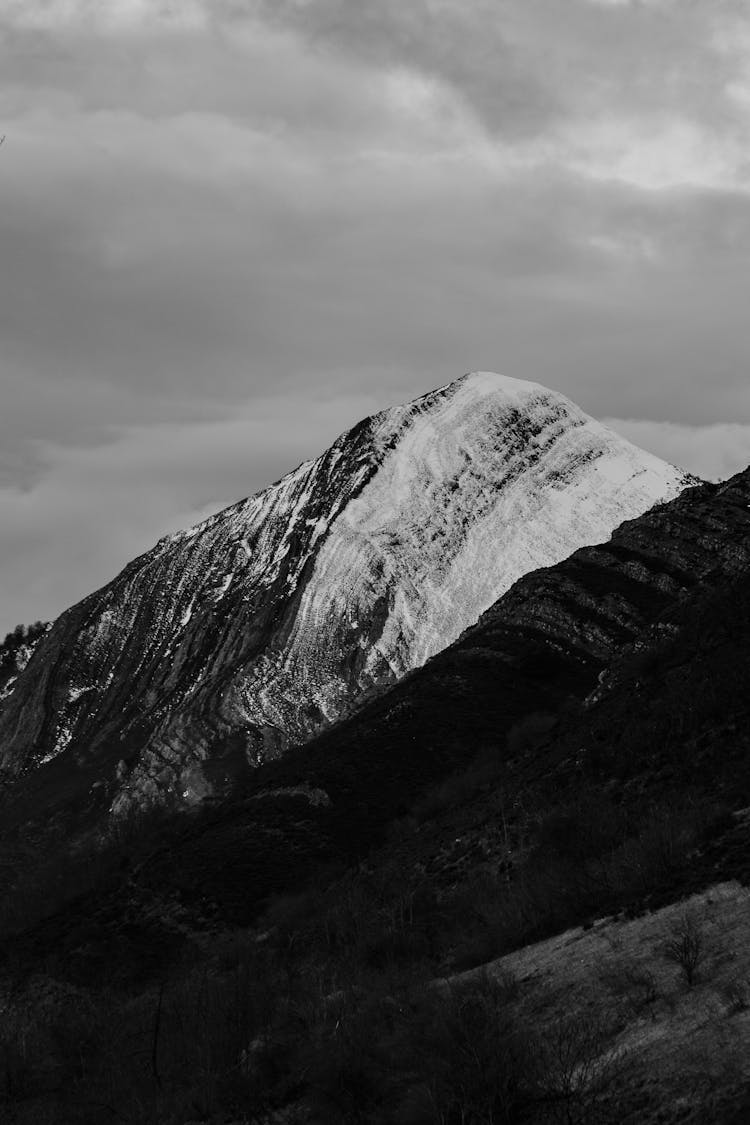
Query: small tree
{"points": [[580, 1068], [686, 947]]}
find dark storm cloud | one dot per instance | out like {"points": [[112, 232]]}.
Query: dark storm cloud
{"points": [[230, 230]]}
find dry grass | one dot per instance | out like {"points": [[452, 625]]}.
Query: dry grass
{"points": [[685, 1035]]}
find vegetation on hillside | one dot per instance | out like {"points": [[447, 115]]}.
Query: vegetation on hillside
{"points": [[18, 638], [156, 979], [295, 953]]}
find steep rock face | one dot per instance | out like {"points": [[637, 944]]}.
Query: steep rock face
{"points": [[261, 625], [510, 691]]}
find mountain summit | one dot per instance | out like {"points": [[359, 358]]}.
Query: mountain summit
{"points": [[258, 627]]}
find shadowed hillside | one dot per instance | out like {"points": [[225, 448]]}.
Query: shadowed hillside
{"points": [[581, 754]]}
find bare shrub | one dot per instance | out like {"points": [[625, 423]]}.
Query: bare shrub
{"points": [[364, 1055], [687, 947], [579, 1069], [475, 1060]]}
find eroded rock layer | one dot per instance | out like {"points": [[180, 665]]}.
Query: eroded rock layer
{"points": [[263, 624]]}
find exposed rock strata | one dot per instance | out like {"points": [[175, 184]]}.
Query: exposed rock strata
{"points": [[260, 626], [541, 651]]}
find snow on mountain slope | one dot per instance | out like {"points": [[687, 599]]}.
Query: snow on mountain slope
{"points": [[254, 629]]}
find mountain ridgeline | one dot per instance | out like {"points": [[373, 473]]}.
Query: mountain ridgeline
{"points": [[258, 628]]}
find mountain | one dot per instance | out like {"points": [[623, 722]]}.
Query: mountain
{"points": [[578, 757], [543, 667], [575, 762], [257, 628]]}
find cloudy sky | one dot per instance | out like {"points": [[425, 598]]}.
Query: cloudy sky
{"points": [[231, 228]]}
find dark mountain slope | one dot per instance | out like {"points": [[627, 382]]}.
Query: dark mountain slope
{"points": [[544, 647], [337, 998], [584, 750]]}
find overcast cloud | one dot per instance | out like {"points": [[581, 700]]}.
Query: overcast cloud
{"points": [[230, 229]]}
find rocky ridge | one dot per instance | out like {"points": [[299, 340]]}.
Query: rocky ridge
{"points": [[260, 626], [558, 647]]}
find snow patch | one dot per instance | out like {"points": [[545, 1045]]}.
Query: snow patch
{"points": [[226, 583], [320, 527], [187, 614], [7, 690], [75, 693]]}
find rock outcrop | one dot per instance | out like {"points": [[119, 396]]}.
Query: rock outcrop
{"points": [[260, 626]]}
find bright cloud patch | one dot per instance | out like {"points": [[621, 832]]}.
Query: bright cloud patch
{"points": [[711, 452]]}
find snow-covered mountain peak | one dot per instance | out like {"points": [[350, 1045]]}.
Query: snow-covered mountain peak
{"points": [[472, 391], [270, 619], [493, 383], [483, 400]]}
